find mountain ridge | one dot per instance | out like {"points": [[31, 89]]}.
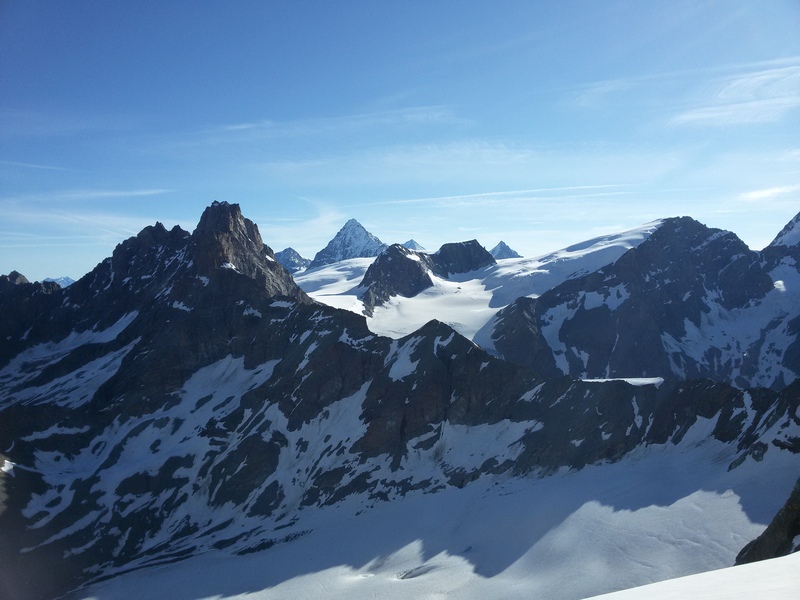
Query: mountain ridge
{"points": [[134, 403]]}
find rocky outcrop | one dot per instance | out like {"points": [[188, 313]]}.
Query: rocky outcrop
{"points": [[224, 239], [397, 271], [781, 535]]}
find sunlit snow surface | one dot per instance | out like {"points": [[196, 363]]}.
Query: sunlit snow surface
{"points": [[468, 301], [663, 512]]}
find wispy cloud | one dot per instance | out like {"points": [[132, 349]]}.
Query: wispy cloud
{"points": [[412, 116], [472, 162], [770, 193], [87, 194], [25, 165], [507, 196], [761, 96]]}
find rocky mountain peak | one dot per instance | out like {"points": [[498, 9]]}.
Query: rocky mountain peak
{"points": [[352, 241], [502, 250], [291, 260], [224, 237], [226, 241], [13, 278], [462, 257], [396, 271], [789, 235]]}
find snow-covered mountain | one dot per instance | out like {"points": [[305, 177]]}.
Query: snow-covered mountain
{"points": [[789, 235], [502, 251], [469, 300], [689, 301], [672, 298], [62, 281], [291, 260], [187, 401], [413, 245], [352, 241]]}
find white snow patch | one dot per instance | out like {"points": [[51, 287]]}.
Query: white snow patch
{"points": [[637, 381], [281, 304], [8, 467], [402, 365], [250, 311]]}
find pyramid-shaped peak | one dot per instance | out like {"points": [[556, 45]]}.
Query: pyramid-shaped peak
{"points": [[789, 235], [502, 250], [413, 245], [352, 241]]}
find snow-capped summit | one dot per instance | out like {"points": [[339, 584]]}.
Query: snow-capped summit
{"points": [[62, 281], [291, 260], [352, 241], [789, 235], [503, 251], [413, 245]]}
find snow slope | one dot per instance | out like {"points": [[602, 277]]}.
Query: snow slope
{"points": [[776, 579], [662, 512], [468, 301]]}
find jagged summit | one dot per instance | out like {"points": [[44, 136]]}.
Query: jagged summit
{"points": [[352, 241], [223, 236], [225, 239], [502, 251], [789, 235]]}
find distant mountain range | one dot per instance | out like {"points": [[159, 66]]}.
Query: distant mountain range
{"points": [[62, 281], [354, 241], [613, 413]]}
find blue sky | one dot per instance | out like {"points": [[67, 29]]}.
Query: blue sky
{"points": [[539, 123]]}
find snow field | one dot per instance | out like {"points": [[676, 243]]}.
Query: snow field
{"points": [[662, 512]]}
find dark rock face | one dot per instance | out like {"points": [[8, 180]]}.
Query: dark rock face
{"points": [[23, 305], [225, 239], [352, 241], [291, 260], [399, 271], [166, 405], [779, 537], [502, 251], [462, 257], [688, 302]]}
